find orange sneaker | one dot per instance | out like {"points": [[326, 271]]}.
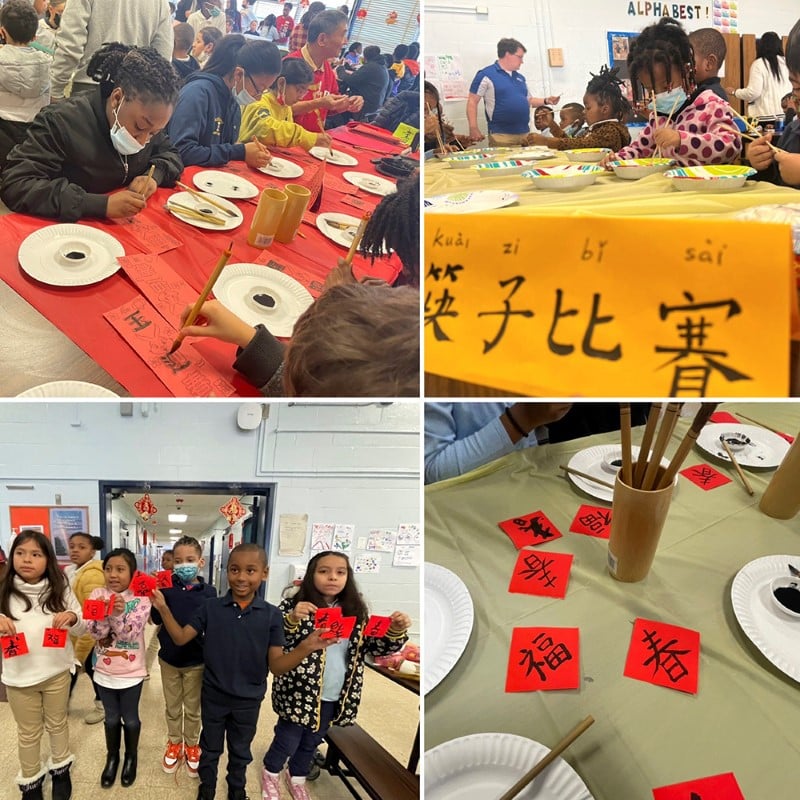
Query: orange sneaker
{"points": [[192, 759], [172, 758]]}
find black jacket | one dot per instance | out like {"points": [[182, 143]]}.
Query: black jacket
{"points": [[371, 81], [67, 163], [790, 142]]}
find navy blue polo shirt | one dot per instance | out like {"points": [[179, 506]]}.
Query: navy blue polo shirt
{"points": [[237, 644], [505, 99]]}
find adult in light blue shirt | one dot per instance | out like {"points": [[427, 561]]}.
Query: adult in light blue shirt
{"points": [[462, 436]]}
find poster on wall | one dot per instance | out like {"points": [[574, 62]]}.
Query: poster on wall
{"points": [[726, 16], [446, 72], [58, 523], [619, 45]]}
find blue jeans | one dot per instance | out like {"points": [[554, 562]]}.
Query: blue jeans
{"points": [[297, 743]]}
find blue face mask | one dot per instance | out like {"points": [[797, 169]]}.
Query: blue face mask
{"points": [[667, 102], [571, 130], [186, 572], [243, 98], [213, 11]]}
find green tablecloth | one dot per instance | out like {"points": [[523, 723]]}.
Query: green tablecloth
{"points": [[744, 717]]}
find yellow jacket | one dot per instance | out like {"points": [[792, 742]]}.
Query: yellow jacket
{"points": [[273, 124], [83, 582]]}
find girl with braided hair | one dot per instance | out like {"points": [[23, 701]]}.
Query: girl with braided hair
{"points": [[78, 150], [690, 124], [605, 107]]}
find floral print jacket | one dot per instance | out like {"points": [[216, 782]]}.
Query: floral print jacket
{"points": [[296, 695]]}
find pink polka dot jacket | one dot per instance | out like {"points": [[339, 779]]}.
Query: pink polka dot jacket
{"points": [[708, 134]]}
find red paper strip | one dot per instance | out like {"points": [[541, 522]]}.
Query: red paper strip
{"points": [[164, 579], [323, 617], [160, 284], [543, 659], [110, 605], [149, 237], [54, 637], [665, 655], [531, 529], [339, 185], [356, 202], [715, 787], [340, 628], [143, 585], [705, 476], [723, 416], [185, 373], [13, 645], [94, 609], [592, 521], [544, 574], [377, 626]]}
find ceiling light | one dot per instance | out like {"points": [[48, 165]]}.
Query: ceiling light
{"points": [[175, 530], [177, 517]]}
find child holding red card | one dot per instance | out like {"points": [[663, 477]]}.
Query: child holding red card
{"points": [[36, 605], [120, 667], [311, 697]]}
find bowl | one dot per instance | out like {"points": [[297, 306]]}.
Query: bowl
{"points": [[632, 169], [718, 178], [466, 161], [74, 254], [564, 178], [589, 155], [784, 590], [491, 169]]}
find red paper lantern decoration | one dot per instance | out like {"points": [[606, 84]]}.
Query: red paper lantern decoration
{"points": [[391, 18], [232, 510], [361, 13], [144, 505]]}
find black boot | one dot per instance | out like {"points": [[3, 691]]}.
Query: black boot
{"points": [[62, 784], [128, 775], [205, 792], [32, 790], [113, 737]]}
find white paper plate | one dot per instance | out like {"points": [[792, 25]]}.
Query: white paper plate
{"points": [[564, 177], [632, 169], [715, 178], [186, 199], [448, 623], [600, 462], [751, 446], [70, 255], [493, 169], [282, 168], [370, 183], [223, 184], [341, 237], [484, 766], [67, 389], [775, 634], [261, 295], [587, 154], [468, 202], [333, 157]]}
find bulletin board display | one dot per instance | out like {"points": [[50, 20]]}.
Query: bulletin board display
{"points": [[619, 45], [58, 523]]}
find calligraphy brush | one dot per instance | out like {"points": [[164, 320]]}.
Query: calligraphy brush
{"points": [[322, 129], [348, 259], [647, 440], [212, 279], [742, 477], [262, 147], [760, 424], [625, 434], [529, 776], [586, 476], [186, 211], [205, 198], [667, 424], [700, 419]]}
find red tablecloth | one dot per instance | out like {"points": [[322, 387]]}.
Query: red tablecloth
{"points": [[78, 312]]}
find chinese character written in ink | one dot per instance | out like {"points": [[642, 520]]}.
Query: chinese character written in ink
{"points": [[596, 521], [695, 796], [694, 330], [176, 362], [554, 655], [53, 637], [538, 567], [703, 474], [517, 280], [336, 628], [137, 322], [560, 349], [438, 307], [535, 526], [665, 657], [373, 630], [12, 647]]}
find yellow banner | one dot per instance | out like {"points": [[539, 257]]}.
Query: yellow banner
{"points": [[608, 307]]}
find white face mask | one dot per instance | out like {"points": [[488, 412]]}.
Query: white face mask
{"points": [[121, 137], [244, 97]]}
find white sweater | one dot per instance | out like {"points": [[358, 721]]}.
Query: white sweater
{"points": [[40, 663], [763, 92], [87, 24]]}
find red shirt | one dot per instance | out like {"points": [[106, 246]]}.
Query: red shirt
{"points": [[285, 26], [299, 37], [324, 83]]}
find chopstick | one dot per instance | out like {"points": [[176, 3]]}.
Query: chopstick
{"points": [[647, 440], [439, 139], [700, 419], [747, 486], [586, 476], [528, 777], [667, 424], [666, 124], [205, 198], [322, 129], [212, 279], [348, 259], [760, 424], [751, 128], [625, 430], [194, 213]]}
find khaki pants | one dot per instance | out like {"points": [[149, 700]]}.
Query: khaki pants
{"points": [[36, 708], [506, 139], [182, 699]]}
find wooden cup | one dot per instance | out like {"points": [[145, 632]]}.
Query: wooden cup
{"points": [[296, 204], [782, 497], [637, 518], [267, 218]]}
